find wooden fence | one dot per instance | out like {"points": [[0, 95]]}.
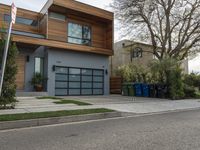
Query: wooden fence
{"points": [[115, 85]]}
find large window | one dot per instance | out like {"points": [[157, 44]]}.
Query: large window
{"points": [[39, 65], [78, 81], [21, 20], [79, 34]]}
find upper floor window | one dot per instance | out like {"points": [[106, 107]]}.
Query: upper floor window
{"points": [[137, 52], [58, 16], [79, 34], [21, 20]]}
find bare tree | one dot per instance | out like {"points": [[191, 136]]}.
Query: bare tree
{"points": [[172, 26]]}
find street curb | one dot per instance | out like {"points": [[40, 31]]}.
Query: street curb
{"points": [[56, 120]]}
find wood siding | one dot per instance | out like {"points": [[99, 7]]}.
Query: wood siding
{"points": [[43, 25], [61, 45], [101, 32], [115, 85], [4, 9], [20, 77], [55, 30], [79, 7]]}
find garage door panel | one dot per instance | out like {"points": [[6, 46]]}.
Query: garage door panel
{"points": [[74, 85], [86, 91], [61, 84], [87, 78], [61, 77], [86, 85], [61, 92], [74, 92]]}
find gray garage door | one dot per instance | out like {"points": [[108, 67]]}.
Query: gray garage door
{"points": [[78, 81]]}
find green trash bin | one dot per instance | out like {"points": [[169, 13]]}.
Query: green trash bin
{"points": [[131, 91], [125, 89]]}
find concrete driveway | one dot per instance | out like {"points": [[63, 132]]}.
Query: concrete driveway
{"points": [[114, 99], [138, 105]]}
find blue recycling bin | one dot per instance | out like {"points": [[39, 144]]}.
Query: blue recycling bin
{"points": [[138, 89], [145, 90]]}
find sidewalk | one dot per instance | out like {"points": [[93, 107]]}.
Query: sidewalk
{"points": [[118, 103]]}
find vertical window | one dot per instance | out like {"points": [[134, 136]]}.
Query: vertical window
{"points": [[39, 65], [79, 34]]}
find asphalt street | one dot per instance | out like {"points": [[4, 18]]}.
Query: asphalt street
{"points": [[171, 131]]}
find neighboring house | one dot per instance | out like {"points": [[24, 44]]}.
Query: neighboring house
{"points": [[139, 53], [68, 42]]}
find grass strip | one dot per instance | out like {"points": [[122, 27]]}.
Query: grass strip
{"points": [[26, 116], [72, 102], [49, 97]]}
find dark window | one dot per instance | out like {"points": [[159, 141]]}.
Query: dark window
{"points": [[21, 20], [79, 34], [137, 53]]}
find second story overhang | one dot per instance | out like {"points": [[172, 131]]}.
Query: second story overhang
{"points": [[72, 5]]}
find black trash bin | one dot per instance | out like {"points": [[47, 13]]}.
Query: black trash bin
{"points": [[161, 90], [152, 90]]}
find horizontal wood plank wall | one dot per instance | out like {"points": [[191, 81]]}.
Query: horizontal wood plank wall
{"points": [[109, 36], [115, 85], [61, 45], [20, 77], [57, 30], [81, 7], [4, 9], [43, 25]]}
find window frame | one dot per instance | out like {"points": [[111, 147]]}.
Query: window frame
{"points": [[82, 39]]}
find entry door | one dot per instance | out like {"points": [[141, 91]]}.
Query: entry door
{"points": [[78, 81], [20, 61]]}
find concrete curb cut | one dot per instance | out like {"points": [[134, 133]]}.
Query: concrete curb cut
{"points": [[56, 120]]}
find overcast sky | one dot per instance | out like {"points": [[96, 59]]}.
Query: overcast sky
{"points": [[36, 5]]}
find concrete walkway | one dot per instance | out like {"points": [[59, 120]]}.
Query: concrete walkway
{"points": [[115, 102]]}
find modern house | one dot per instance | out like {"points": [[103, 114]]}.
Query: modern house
{"points": [[139, 53], [68, 42]]}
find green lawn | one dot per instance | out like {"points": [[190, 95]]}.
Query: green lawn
{"points": [[26, 116], [63, 101]]}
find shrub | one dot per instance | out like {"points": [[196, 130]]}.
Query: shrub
{"points": [[192, 80], [133, 73], [167, 71], [9, 85], [175, 84], [189, 91]]}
